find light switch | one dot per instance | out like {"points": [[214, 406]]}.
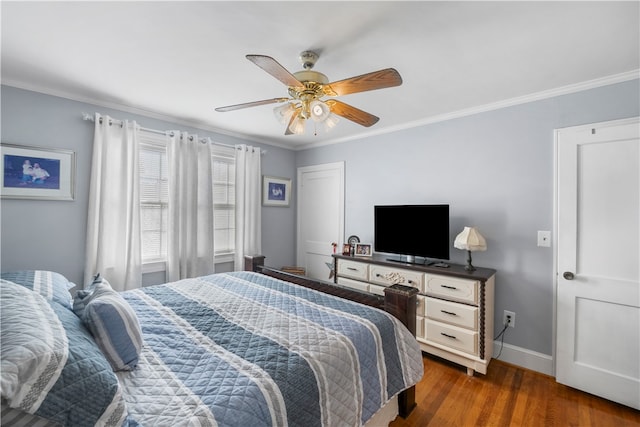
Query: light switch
{"points": [[544, 239]]}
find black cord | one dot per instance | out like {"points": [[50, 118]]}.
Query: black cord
{"points": [[501, 336]]}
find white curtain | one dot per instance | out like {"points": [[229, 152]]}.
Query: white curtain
{"points": [[248, 205], [190, 250], [113, 224]]}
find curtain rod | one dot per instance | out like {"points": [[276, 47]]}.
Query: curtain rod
{"points": [[89, 117]]}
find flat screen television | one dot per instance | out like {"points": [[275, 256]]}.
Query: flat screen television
{"points": [[412, 230]]}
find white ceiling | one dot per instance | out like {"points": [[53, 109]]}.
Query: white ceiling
{"points": [[183, 59]]}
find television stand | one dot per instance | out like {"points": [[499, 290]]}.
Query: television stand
{"points": [[455, 312]]}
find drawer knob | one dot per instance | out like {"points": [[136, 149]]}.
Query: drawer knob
{"points": [[448, 336], [449, 287], [450, 313]]}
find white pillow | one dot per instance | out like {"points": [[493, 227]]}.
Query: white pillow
{"points": [[34, 347]]}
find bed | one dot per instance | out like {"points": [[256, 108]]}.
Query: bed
{"points": [[234, 349]]}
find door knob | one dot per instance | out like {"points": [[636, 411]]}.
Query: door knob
{"points": [[568, 275]]}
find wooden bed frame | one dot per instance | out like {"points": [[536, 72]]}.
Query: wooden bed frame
{"points": [[398, 300]]}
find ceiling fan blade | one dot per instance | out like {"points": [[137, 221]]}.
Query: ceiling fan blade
{"points": [[250, 104], [381, 79], [274, 68], [352, 113]]}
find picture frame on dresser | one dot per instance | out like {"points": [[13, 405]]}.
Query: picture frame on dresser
{"points": [[363, 249]]}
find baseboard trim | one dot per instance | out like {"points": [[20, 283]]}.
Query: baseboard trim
{"points": [[525, 358]]}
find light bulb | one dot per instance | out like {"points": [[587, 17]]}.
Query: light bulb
{"points": [[319, 111]]}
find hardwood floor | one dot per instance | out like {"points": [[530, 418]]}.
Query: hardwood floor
{"points": [[507, 396]]}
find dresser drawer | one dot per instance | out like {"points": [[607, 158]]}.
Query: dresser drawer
{"points": [[462, 315], [452, 288], [388, 276], [452, 336], [355, 270], [353, 284]]}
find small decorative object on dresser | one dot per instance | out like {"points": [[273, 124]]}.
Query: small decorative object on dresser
{"points": [[363, 249], [470, 240], [346, 249]]}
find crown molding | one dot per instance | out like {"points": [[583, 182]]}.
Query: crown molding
{"points": [[136, 110], [551, 93], [537, 96]]}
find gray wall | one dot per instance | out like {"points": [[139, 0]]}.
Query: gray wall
{"points": [[496, 170], [59, 227]]}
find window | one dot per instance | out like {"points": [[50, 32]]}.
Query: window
{"points": [[224, 200], [154, 198]]}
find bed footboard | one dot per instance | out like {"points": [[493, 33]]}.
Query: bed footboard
{"points": [[399, 300]]}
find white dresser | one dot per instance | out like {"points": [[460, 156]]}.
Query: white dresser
{"points": [[455, 307]]}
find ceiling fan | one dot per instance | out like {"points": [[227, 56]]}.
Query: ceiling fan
{"points": [[307, 88]]}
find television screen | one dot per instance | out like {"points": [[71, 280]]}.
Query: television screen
{"points": [[413, 230]]}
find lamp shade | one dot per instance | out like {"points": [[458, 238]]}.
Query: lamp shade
{"points": [[319, 111], [297, 125], [284, 112], [470, 240]]}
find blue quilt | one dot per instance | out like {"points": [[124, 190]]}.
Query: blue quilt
{"points": [[244, 349]]}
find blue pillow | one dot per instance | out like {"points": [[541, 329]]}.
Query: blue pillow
{"points": [[51, 285], [112, 322]]}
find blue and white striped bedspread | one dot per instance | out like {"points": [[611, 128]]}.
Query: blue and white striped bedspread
{"points": [[244, 349]]}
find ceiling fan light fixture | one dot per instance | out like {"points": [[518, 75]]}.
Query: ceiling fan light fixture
{"points": [[319, 111], [284, 112], [330, 122], [297, 125]]}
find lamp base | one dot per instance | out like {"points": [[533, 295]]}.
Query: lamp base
{"points": [[469, 266]]}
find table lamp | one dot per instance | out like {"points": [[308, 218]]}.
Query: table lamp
{"points": [[470, 240]]}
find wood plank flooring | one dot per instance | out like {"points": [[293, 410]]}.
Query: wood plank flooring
{"points": [[507, 396]]}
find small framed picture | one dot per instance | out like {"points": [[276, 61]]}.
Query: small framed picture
{"points": [[275, 191], [346, 249], [363, 249], [37, 173]]}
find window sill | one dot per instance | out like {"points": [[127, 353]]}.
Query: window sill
{"points": [[153, 266]]}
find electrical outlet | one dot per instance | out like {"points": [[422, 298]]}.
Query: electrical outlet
{"points": [[510, 318]]}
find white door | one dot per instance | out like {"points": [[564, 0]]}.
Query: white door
{"points": [[320, 216], [598, 291]]}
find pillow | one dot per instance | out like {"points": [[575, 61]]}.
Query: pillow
{"points": [[51, 285], [113, 324], [34, 347], [77, 386]]}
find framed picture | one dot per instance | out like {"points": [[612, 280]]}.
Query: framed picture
{"points": [[346, 249], [37, 173], [275, 191], [363, 249]]}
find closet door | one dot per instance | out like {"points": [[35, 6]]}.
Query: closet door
{"points": [[320, 216], [598, 290]]}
